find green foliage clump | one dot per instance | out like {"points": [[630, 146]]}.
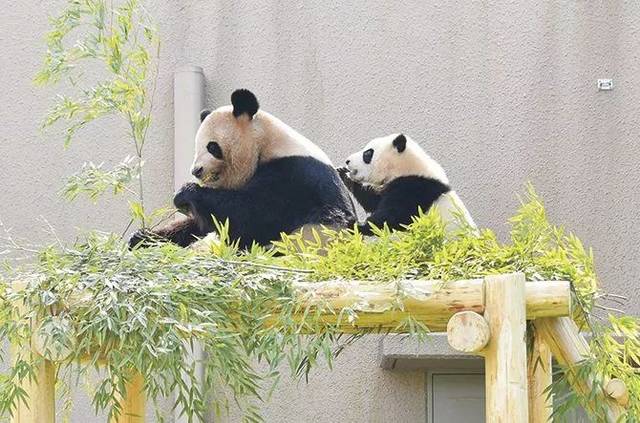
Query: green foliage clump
{"points": [[142, 311], [428, 249]]}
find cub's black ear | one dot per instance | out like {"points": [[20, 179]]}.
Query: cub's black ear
{"points": [[204, 114], [400, 143], [244, 101]]}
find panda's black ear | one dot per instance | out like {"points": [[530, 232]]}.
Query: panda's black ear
{"points": [[244, 101], [400, 143], [204, 114]]}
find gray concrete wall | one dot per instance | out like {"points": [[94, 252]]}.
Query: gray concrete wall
{"points": [[500, 93]]}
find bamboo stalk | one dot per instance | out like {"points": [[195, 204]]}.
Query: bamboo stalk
{"points": [[568, 347], [505, 356], [540, 378]]}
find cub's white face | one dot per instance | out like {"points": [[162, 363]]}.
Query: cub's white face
{"points": [[226, 153], [387, 158]]}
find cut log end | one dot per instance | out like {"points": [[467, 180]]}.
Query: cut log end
{"points": [[468, 331], [617, 390]]}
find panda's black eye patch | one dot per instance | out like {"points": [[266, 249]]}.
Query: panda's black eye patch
{"points": [[214, 149], [367, 156]]}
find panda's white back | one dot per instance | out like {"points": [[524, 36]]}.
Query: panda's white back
{"points": [[280, 140], [453, 211]]}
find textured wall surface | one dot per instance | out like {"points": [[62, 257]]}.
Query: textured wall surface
{"points": [[499, 94]]}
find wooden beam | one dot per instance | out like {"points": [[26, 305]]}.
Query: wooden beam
{"points": [[548, 299], [505, 356], [568, 347], [540, 377], [431, 302], [133, 404]]}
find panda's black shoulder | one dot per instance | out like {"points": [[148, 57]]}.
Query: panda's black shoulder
{"points": [[294, 167], [415, 189], [311, 182], [307, 190]]}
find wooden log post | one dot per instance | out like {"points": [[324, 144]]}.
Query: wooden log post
{"points": [[132, 406], [505, 356], [540, 376], [569, 347], [40, 404], [41, 401]]}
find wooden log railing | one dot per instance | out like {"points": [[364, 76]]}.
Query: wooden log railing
{"points": [[482, 316]]}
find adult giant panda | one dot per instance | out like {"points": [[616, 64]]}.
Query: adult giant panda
{"points": [[259, 173], [393, 176]]}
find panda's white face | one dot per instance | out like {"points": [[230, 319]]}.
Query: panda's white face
{"points": [[227, 143], [226, 154], [387, 158]]}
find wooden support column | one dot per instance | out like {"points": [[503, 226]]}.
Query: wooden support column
{"points": [[133, 404], [540, 377], [505, 356], [568, 347], [41, 401], [41, 392]]}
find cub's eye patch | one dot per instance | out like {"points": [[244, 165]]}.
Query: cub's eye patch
{"points": [[367, 156], [214, 149]]}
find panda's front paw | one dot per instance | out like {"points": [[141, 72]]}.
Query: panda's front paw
{"points": [[186, 195], [143, 238], [365, 228], [343, 172]]}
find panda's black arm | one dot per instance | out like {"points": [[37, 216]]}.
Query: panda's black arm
{"points": [[378, 219], [365, 195], [182, 232], [394, 217], [242, 206], [282, 195], [368, 198], [396, 208], [401, 199]]}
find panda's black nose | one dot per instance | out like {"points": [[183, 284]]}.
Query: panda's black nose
{"points": [[348, 161], [197, 171]]}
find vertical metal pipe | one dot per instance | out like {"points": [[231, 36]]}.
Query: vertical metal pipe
{"points": [[188, 100]]}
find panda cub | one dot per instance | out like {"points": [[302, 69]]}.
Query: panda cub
{"points": [[259, 173], [393, 176]]}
